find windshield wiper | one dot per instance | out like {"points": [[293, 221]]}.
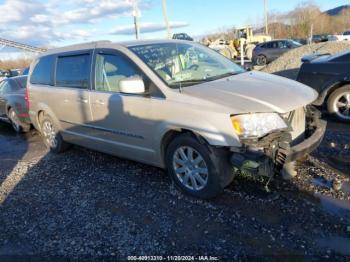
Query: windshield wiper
{"points": [[198, 81], [221, 76], [187, 82]]}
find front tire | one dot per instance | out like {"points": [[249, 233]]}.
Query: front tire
{"points": [[196, 168], [338, 103], [51, 136]]}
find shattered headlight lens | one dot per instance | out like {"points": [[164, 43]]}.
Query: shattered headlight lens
{"points": [[257, 125]]}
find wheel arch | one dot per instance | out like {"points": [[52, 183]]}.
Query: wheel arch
{"points": [[8, 107], [171, 134], [41, 112], [323, 97]]}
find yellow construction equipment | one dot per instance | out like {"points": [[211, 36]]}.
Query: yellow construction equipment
{"points": [[245, 36]]}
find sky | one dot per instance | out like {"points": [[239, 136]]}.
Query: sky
{"points": [[57, 23]]}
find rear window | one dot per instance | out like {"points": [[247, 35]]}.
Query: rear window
{"points": [[22, 82], [42, 72], [73, 71], [341, 57]]}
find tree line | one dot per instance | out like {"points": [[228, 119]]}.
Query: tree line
{"points": [[305, 19]]}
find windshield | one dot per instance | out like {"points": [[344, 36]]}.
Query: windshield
{"points": [[185, 64]]}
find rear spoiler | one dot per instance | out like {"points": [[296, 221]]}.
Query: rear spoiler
{"points": [[308, 58]]}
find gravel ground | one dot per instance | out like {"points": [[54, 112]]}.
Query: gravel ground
{"points": [[289, 63], [85, 204]]}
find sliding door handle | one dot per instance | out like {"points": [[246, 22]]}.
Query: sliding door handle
{"points": [[82, 100], [99, 102]]}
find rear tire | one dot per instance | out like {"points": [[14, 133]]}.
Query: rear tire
{"points": [[51, 136], [196, 168], [338, 103]]}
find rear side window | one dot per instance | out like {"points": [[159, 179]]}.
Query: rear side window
{"points": [[270, 45], [7, 88], [73, 71], [42, 72]]}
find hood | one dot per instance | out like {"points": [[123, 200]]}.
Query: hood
{"points": [[253, 92]]}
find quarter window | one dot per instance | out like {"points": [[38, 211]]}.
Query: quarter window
{"points": [[2, 84], [42, 72], [73, 71], [6, 88], [110, 69]]}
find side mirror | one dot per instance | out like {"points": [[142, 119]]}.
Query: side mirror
{"points": [[132, 85]]}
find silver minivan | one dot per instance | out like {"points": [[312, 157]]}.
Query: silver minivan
{"points": [[176, 105]]}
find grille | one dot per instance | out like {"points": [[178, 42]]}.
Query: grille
{"points": [[296, 120]]}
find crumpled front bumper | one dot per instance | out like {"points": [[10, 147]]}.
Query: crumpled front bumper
{"points": [[271, 153], [308, 145]]}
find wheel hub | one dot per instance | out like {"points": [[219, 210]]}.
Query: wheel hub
{"points": [[190, 168], [342, 106]]}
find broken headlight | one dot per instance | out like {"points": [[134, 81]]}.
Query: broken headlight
{"points": [[257, 125]]}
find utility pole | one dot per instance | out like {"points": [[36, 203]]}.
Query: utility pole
{"points": [[165, 14], [136, 14], [266, 18]]}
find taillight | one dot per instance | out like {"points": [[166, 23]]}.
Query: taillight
{"points": [[26, 97]]}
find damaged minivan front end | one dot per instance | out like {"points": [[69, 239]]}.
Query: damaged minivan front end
{"points": [[296, 134]]}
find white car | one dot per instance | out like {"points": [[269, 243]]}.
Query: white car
{"points": [[343, 37]]}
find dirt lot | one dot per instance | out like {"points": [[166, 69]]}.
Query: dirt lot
{"points": [[83, 203]]}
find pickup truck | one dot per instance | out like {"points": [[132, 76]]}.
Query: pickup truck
{"points": [[344, 36]]}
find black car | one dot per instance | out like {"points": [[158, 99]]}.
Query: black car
{"points": [[14, 103], [329, 75], [182, 36], [319, 38]]}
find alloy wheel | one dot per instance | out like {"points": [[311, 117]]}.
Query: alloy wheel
{"points": [[342, 106], [14, 120], [49, 133], [190, 168], [261, 60]]}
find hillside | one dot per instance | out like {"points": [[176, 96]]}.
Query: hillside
{"points": [[337, 10]]}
